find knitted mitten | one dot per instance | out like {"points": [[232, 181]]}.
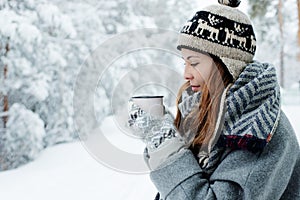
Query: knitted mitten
{"points": [[188, 102], [160, 135]]}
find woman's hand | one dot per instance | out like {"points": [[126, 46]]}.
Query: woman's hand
{"points": [[159, 133]]}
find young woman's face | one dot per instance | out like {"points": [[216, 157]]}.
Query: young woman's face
{"points": [[198, 68]]}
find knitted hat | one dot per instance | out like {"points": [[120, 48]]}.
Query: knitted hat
{"points": [[224, 31]]}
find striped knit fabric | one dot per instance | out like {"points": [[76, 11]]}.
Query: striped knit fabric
{"points": [[253, 109]]}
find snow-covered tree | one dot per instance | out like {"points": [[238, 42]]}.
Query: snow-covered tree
{"points": [[37, 76], [43, 45], [276, 46], [23, 138]]}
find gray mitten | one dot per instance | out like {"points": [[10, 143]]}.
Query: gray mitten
{"points": [[163, 144], [160, 135], [157, 156], [141, 122], [188, 102]]}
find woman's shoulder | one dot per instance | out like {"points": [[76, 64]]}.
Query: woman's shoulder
{"points": [[284, 142], [278, 159]]}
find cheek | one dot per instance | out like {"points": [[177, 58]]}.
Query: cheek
{"points": [[204, 73]]}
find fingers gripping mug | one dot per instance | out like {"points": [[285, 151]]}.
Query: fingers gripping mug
{"points": [[152, 105]]}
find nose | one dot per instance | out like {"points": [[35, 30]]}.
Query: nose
{"points": [[188, 75]]}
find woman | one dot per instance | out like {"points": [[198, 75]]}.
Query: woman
{"points": [[230, 139]]}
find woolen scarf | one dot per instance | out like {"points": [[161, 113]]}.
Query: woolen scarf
{"points": [[249, 111]]}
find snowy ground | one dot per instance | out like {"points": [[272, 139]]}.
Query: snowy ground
{"points": [[67, 171]]}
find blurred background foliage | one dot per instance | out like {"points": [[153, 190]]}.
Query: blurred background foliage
{"points": [[43, 44]]}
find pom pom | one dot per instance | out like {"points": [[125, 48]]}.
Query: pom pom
{"points": [[231, 3]]}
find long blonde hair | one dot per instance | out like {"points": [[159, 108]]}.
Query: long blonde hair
{"points": [[203, 120]]}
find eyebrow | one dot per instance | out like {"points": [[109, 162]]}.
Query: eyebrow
{"points": [[191, 57]]}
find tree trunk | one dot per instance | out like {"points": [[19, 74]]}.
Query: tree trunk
{"points": [[298, 5], [5, 97], [5, 100], [280, 21]]}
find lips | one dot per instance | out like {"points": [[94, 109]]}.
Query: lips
{"points": [[195, 87]]}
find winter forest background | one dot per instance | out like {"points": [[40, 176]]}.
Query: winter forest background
{"points": [[43, 44]]}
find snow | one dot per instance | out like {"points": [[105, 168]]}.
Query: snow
{"points": [[39, 90], [38, 39], [26, 66], [68, 171], [7, 27], [23, 139], [49, 14], [29, 33], [293, 114]]}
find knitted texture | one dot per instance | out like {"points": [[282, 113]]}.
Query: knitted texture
{"points": [[253, 109], [188, 102], [222, 31], [273, 174], [231, 3]]}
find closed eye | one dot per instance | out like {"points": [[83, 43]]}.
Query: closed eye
{"points": [[194, 64]]}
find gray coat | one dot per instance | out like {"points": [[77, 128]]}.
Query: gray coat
{"points": [[240, 174]]}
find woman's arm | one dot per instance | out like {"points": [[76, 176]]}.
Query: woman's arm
{"points": [[184, 179], [240, 175]]}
